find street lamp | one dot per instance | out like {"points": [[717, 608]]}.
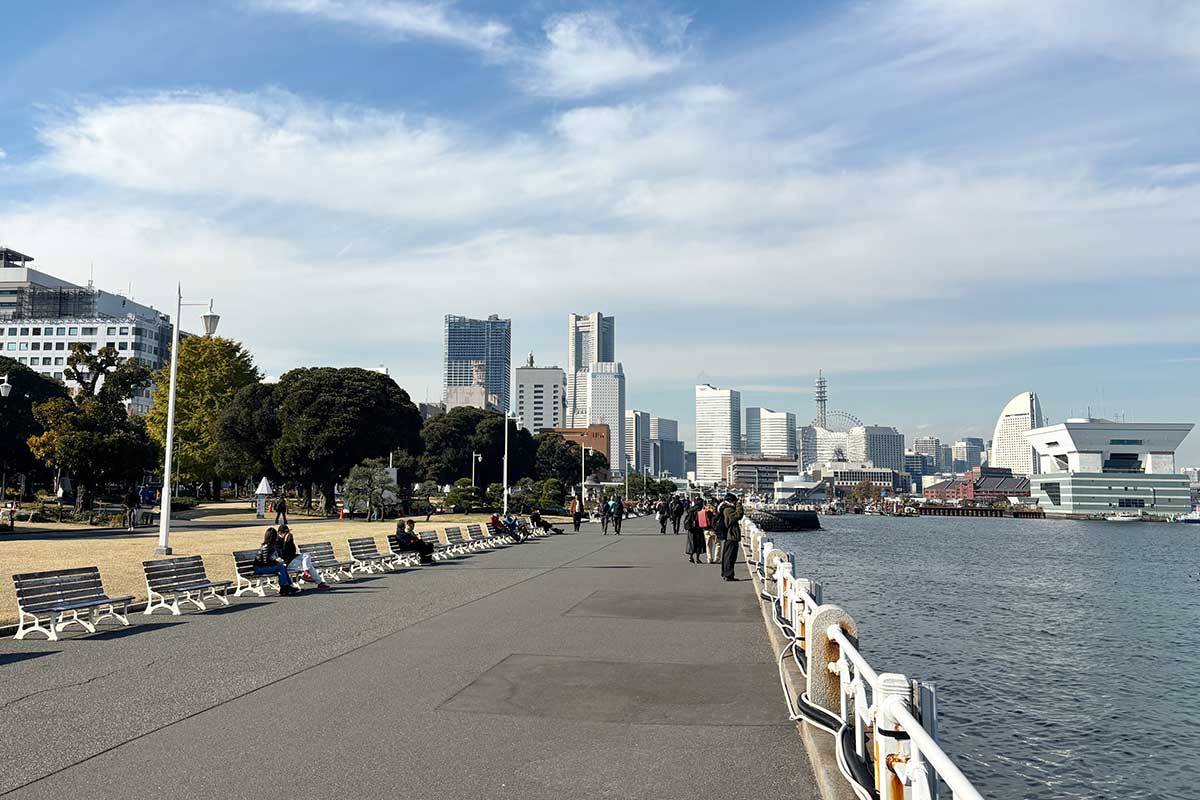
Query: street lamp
{"points": [[584, 452], [210, 321], [475, 458], [507, 416], [5, 387], [628, 466], [5, 391]]}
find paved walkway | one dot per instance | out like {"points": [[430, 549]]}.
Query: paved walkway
{"points": [[604, 667]]}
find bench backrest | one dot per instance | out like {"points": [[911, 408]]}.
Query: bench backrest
{"points": [[429, 536], [363, 547], [321, 552], [454, 536], [166, 573], [475, 532], [243, 561], [41, 590]]}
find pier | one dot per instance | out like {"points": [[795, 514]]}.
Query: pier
{"points": [[577, 665]]}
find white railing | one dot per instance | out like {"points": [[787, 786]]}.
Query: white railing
{"points": [[891, 720]]}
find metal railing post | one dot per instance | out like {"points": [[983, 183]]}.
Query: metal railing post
{"points": [[891, 750], [824, 687]]}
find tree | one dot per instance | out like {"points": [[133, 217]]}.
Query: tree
{"points": [[864, 492], [370, 484], [92, 437], [495, 495], [488, 441], [553, 493], [211, 372], [247, 430], [331, 419], [464, 497], [447, 444], [17, 422]]}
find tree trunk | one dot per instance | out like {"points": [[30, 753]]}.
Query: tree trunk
{"points": [[216, 489], [328, 493]]}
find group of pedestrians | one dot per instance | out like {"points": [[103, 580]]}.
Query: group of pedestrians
{"points": [[671, 512], [714, 531], [611, 512]]}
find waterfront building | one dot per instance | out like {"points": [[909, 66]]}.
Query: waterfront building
{"points": [[541, 397], [598, 436], [591, 338], [476, 395], [466, 342], [757, 473], [1010, 448], [967, 454], [637, 439], [602, 393], [946, 458], [1098, 467], [42, 316], [718, 429], [842, 477], [882, 446], [982, 485], [919, 465]]}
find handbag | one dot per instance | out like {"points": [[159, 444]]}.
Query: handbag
{"points": [[702, 517]]}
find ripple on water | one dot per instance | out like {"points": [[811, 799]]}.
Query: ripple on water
{"points": [[1065, 653]]}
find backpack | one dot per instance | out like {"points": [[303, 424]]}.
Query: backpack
{"points": [[718, 525]]}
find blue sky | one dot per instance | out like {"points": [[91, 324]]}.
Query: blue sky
{"points": [[941, 203]]}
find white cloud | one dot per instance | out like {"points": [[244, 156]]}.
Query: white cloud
{"points": [[591, 50], [402, 19], [1109, 28]]}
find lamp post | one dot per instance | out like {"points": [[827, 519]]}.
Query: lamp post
{"points": [[210, 321], [584, 452], [5, 391], [475, 458], [507, 416], [628, 466]]}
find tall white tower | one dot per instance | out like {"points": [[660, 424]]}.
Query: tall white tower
{"points": [[1010, 448], [718, 429]]}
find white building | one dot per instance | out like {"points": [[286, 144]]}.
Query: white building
{"points": [[603, 390], [1097, 467], [1010, 448], [777, 434], [967, 454], [591, 338], [637, 439], [718, 429], [42, 316], [475, 394], [541, 399], [878, 444]]}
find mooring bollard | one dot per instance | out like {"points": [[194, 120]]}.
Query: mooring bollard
{"points": [[891, 743], [824, 684]]}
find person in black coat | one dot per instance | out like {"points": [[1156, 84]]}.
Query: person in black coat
{"points": [[407, 538], [270, 561], [695, 534]]}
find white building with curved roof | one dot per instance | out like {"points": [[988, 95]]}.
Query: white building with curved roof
{"points": [[1010, 448]]}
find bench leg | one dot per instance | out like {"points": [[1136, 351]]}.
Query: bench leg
{"points": [[217, 593], [246, 585], [25, 628], [87, 624], [154, 600], [192, 597], [122, 617]]}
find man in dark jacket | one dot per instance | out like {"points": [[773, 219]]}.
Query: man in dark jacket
{"points": [[618, 514], [731, 512]]}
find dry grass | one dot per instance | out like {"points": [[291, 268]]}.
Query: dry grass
{"points": [[120, 557]]}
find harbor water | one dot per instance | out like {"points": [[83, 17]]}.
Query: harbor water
{"points": [[1066, 654]]}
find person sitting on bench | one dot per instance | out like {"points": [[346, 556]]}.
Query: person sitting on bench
{"points": [[297, 561], [407, 538], [536, 521], [270, 561]]}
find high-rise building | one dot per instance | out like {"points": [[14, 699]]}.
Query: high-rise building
{"points": [[968, 453], [604, 392], [591, 338], [777, 434], [1010, 448], [928, 445], [637, 439], [880, 445], [918, 465], [42, 316], [664, 429], [718, 429], [541, 396], [474, 396], [667, 458], [466, 341], [752, 432]]}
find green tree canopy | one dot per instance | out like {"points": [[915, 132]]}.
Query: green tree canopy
{"points": [[17, 422], [247, 430], [331, 419], [464, 497], [451, 438], [105, 373], [211, 372]]}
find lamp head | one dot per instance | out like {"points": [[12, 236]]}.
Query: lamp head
{"points": [[210, 320], [5, 387]]}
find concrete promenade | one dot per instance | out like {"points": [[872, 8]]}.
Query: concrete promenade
{"points": [[579, 665]]}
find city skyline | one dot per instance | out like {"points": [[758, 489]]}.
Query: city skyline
{"points": [[875, 164]]}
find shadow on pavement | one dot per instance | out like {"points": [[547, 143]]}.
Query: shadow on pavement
{"points": [[134, 629], [13, 658]]}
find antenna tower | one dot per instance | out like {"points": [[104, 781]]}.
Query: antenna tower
{"points": [[822, 397]]}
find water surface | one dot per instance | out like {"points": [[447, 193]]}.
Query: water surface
{"points": [[1066, 654]]}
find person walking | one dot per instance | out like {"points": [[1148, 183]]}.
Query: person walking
{"points": [[676, 509], [695, 534], [297, 561], [270, 561], [660, 513], [281, 509], [618, 513], [730, 515], [605, 514], [576, 513], [132, 502]]}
